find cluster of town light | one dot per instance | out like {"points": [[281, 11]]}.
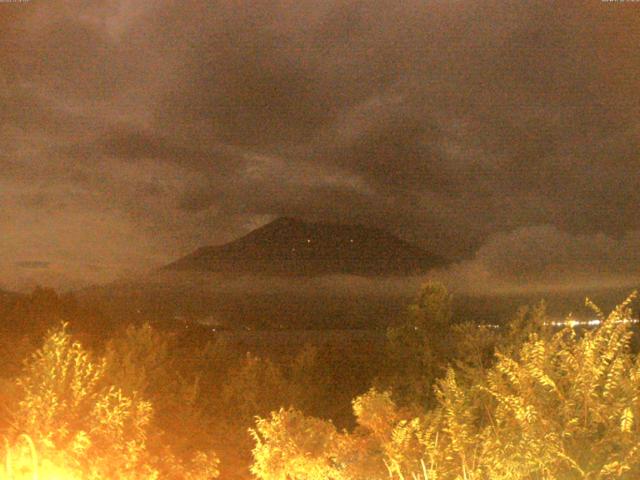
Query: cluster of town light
{"points": [[572, 322]]}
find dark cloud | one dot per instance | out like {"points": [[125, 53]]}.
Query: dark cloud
{"points": [[169, 125], [543, 258]]}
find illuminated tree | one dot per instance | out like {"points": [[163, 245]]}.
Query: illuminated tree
{"points": [[74, 418], [146, 362], [292, 446], [80, 423], [420, 347], [559, 406]]}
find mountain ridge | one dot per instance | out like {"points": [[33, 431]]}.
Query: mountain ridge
{"points": [[289, 246]]}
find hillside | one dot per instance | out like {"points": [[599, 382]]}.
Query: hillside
{"points": [[289, 246]]}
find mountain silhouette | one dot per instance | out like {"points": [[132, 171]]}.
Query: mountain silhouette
{"points": [[290, 246]]}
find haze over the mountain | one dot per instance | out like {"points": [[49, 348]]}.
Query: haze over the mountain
{"points": [[289, 246]]}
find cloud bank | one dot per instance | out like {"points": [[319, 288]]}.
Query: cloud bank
{"points": [[133, 132]]}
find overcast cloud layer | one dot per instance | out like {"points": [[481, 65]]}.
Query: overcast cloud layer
{"points": [[500, 134]]}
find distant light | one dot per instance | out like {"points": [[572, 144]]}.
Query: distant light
{"points": [[351, 240], [592, 322], [308, 240]]}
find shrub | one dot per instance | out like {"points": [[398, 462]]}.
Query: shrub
{"points": [[78, 422], [560, 406]]}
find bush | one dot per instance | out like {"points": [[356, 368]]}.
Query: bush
{"points": [[555, 406], [78, 422]]}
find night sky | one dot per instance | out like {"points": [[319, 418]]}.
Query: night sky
{"points": [[502, 135]]}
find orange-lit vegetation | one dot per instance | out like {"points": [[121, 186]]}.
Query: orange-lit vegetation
{"points": [[557, 406], [69, 421], [450, 401]]}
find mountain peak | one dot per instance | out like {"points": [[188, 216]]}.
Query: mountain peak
{"points": [[287, 221], [291, 246]]}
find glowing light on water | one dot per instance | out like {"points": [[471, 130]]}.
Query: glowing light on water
{"points": [[572, 322], [594, 322]]}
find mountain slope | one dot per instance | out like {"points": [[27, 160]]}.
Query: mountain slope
{"points": [[289, 246]]}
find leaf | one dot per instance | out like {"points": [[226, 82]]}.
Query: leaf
{"points": [[626, 420]]}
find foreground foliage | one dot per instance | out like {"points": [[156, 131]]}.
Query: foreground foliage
{"points": [[455, 401], [561, 405], [69, 421]]}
